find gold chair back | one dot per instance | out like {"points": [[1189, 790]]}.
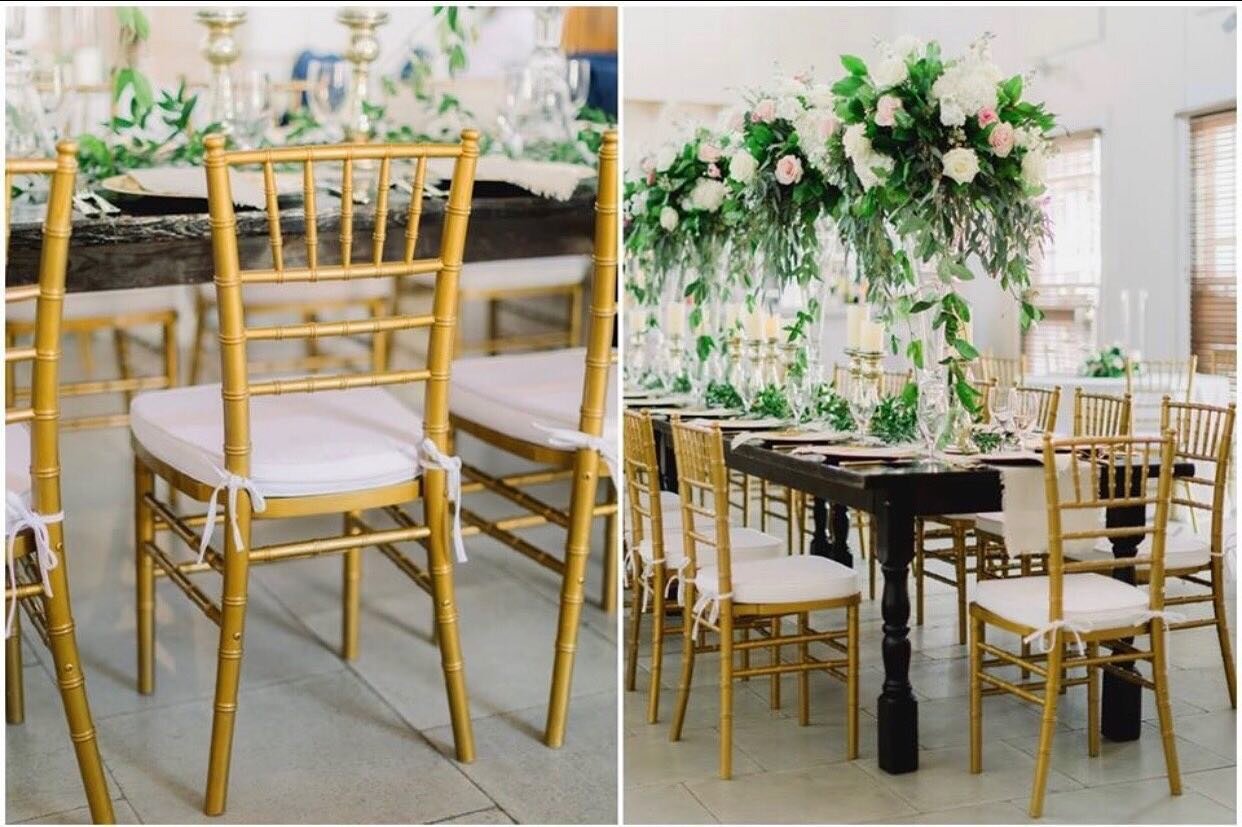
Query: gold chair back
{"points": [[642, 481], [703, 484], [234, 332], [1202, 434], [1048, 401], [1100, 414], [1107, 472], [893, 382], [1006, 372], [1160, 376]]}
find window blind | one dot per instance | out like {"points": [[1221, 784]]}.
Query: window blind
{"points": [[1213, 246]]}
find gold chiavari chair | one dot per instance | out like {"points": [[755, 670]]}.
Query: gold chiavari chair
{"points": [[739, 595], [1004, 371], [520, 288], [523, 403], [990, 557], [1080, 605], [893, 382], [32, 485], [657, 551], [325, 444], [1101, 414], [1149, 381]]}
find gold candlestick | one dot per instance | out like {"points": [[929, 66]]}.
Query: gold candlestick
{"points": [[221, 49], [362, 52]]}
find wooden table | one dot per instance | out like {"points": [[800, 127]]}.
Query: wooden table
{"points": [[894, 495], [124, 251]]}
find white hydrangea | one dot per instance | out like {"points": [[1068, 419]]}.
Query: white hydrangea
{"points": [[638, 204], [664, 157], [813, 129], [856, 142], [708, 194], [907, 45], [865, 167], [742, 166], [967, 85], [1028, 137], [789, 108], [889, 72], [1034, 167], [669, 219], [820, 96]]}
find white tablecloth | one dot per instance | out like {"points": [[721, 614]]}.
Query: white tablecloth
{"points": [[1207, 388]]}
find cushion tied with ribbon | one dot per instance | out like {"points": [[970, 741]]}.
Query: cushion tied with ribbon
{"points": [[431, 457], [1045, 634], [570, 440], [229, 483], [19, 517], [707, 607]]}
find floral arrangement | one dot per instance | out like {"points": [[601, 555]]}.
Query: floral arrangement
{"points": [[833, 408], [771, 401], [1109, 362], [723, 395], [940, 162]]}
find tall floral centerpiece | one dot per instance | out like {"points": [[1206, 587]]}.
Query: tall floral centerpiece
{"points": [[940, 166]]}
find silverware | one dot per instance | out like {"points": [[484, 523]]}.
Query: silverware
{"points": [[82, 203], [105, 206]]}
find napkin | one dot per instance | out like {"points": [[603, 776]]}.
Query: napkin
{"points": [[191, 182], [1024, 504], [547, 179]]}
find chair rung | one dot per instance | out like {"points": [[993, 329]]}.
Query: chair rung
{"points": [[18, 415], [174, 573], [19, 354], [311, 384], [24, 293], [350, 327], [303, 275]]}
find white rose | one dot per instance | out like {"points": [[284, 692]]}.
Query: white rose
{"points": [[1027, 137], [961, 164], [708, 194], [742, 166], [908, 46], [669, 219], [890, 72], [789, 108], [865, 167], [664, 158], [820, 96], [856, 142], [951, 112], [1033, 167], [638, 204]]}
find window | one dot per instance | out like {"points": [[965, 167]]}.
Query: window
{"points": [[1065, 280], [1213, 262]]}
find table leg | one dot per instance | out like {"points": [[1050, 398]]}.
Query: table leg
{"points": [[897, 710], [1121, 706]]}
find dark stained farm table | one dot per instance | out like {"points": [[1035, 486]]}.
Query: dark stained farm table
{"points": [[894, 494], [126, 251]]}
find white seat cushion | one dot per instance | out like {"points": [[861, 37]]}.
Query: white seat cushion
{"points": [[524, 273], [744, 544], [302, 443], [993, 522], [17, 459], [511, 392], [1183, 549], [1088, 601], [786, 579]]}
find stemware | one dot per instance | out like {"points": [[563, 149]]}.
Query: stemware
{"points": [[863, 402], [578, 76], [328, 85], [252, 108], [932, 407], [1025, 408]]}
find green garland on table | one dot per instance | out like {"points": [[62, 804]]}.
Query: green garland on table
{"points": [[1109, 363], [723, 395], [771, 402]]}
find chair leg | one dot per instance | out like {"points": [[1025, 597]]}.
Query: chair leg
{"points": [[229, 659], [14, 682], [959, 576], [976, 695], [1160, 676], [687, 663], [1093, 702], [745, 500], [726, 690], [1043, 756], [144, 532], [351, 587], [575, 316], [443, 594], [120, 347], [851, 682], [10, 370], [171, 367], [1025, 570], [1222, 629], [200, 334], [493, 325], [657, 644], [62, 641], [804, 677], [774, 690], [763, 505], [636, 630], [577, 550], [745, 655], [920, 529], [86, 353], [608, 600]]}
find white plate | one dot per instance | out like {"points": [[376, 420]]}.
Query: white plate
{"points": [[752, 424], [821, 437]]}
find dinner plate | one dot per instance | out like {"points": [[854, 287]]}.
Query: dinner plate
{"points": [[751, 424], [820, 437], [697, 413], [124, 191]]}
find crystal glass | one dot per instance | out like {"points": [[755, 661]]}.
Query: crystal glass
{"points": [[26, 134], [328, 87], [863, 403], [1003, 409], [752, 375], [932, 409], [52, 83], [1025, 408], [252, 108], [578, 76]]}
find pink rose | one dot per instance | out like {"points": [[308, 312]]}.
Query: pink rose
{"points": [[709, 153], [650, 177], [886, 110], [1001, 139], [764, 111], [804, 77], [789, 170], [713, 171], [986, 116], [647, 164], [736, 120]]}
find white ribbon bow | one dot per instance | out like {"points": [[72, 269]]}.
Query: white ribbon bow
{"points": [[232, 484], [1043, 633], [709, 605], [18, 517], [569, 440], [432, 457]]}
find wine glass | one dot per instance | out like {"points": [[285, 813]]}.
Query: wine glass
{"points": [[752, 381], [327, 83], [1002, 411], [578, 76], [1025, 411], [52, 84], [252, 108], [933, 403], [863, 402]]}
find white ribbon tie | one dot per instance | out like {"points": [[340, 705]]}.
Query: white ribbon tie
{"points": [[568, 440], [18, 517], [432, 457], [230, 483]]}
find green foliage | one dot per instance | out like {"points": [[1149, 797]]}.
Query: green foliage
{"points": [[723, 395], [987, 440], [895, 419], [833, 408], [1109, 362], [771, 401]]}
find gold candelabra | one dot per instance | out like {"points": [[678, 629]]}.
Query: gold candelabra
{"points": [[865, 367], [362, 52]]}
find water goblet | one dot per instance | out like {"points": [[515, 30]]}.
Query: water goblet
{"points": [[933, 403], [328, 84], [863, 402], [252, 108], [578, 76]]}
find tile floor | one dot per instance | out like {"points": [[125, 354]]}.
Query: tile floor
{"points": [[318, 740], [784, 773]]}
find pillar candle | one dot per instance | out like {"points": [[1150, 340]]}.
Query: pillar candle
{"points": [[871, 337], [754, 325], [771, 326], [853, 325], [675, 320]]}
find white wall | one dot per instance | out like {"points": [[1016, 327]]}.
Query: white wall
{"points": [[1133, 73]]}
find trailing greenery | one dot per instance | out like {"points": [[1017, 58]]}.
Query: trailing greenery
{"points": [[833, 408], [896, 419], [723, 395], [771, 401], [987, 440]]}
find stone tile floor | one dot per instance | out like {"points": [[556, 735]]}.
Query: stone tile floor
{"points": [[318, 740], [784, 773]]}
